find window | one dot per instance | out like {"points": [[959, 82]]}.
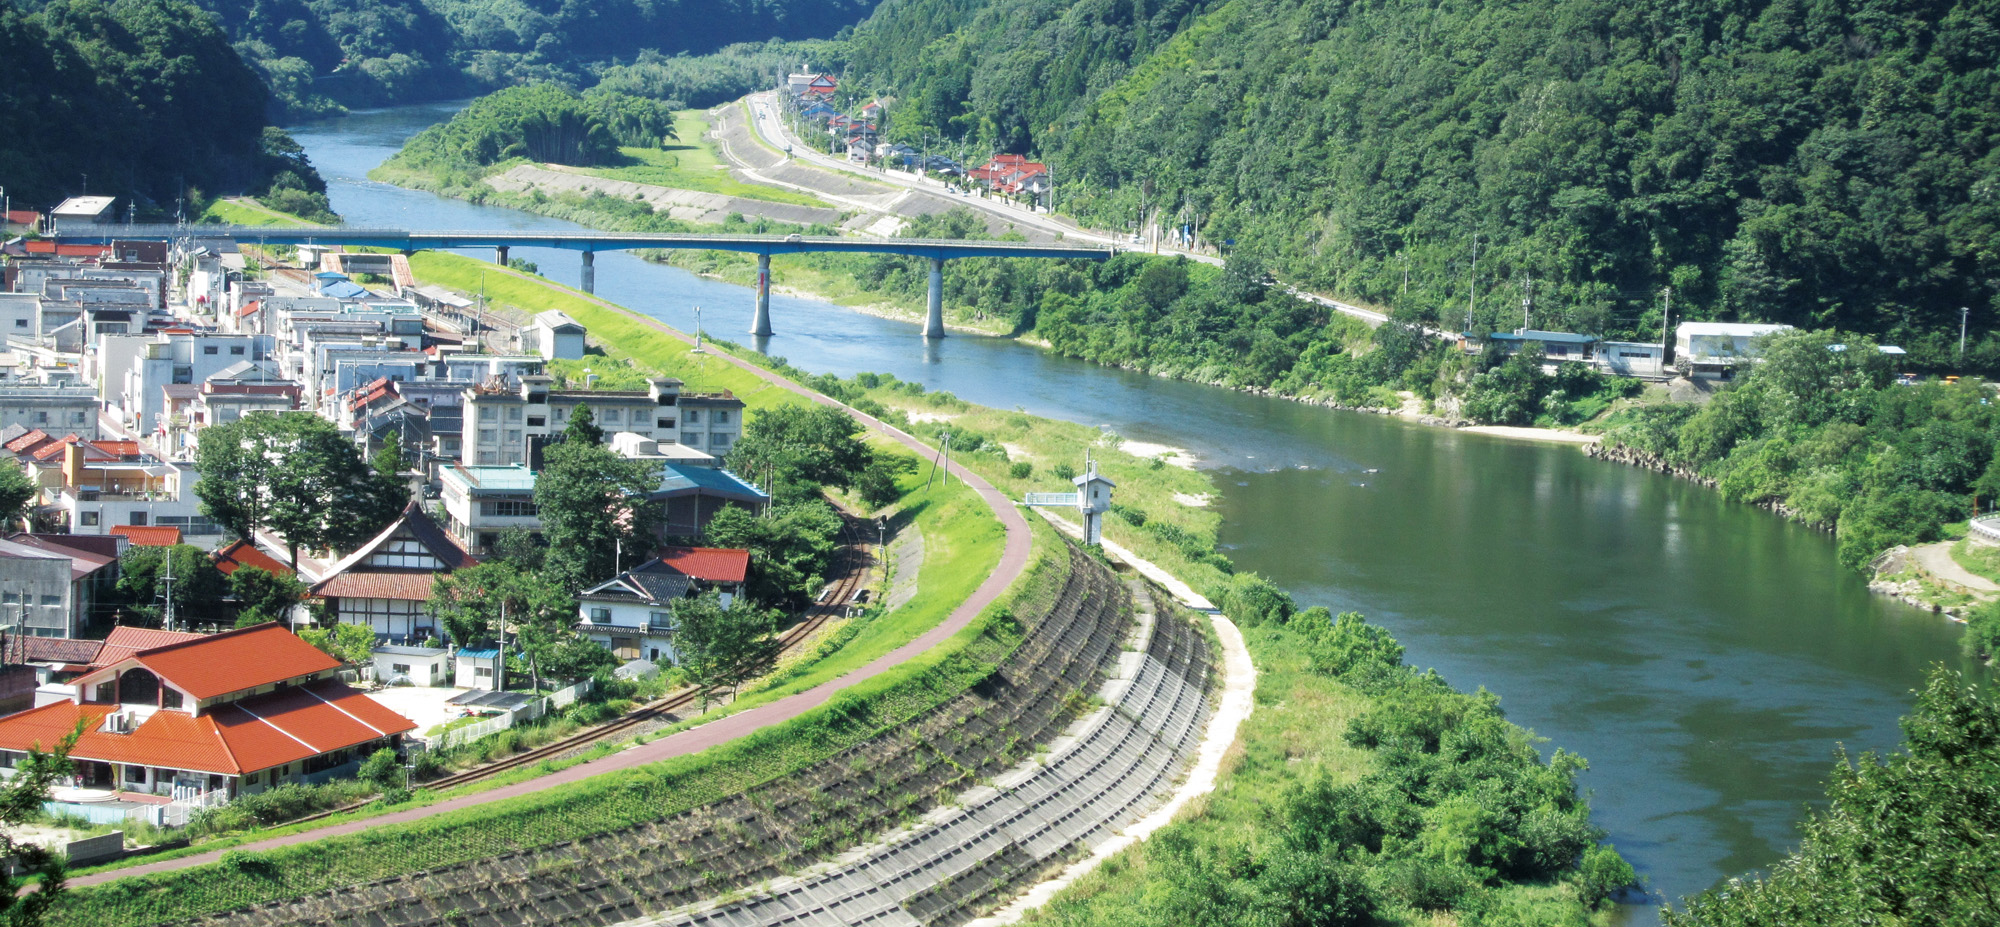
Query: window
{"points": [[482, 672], [666, 423], [138, 518], [488, 413], [613, 415], [86, 519], [692, 416], [400, 668], [507, 508], [51, 601], [691, 440], [537, 421], [513, 413], [661, 619], [486, 458], [720, 442], [170, 698], [236, 349], [513, 437], [20, 323], [721, 417], [41, 418], [135, 773], [77, 418], [486, 435], [210, 349], [600, 615]]}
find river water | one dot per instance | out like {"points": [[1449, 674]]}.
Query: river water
{"points": [[1706, 657]]}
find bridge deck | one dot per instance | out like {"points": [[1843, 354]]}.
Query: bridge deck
{"points": [[586, 241]]}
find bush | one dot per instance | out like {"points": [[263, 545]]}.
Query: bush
{"points": [[1252, 600], [380, 769], [1021, 470], [1982, 632], [1603, 871]]}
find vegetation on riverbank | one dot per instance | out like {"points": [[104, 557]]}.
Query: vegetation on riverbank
{"points": [[1906, 838], [1366, 792], [1823, 433], [690, 163]]}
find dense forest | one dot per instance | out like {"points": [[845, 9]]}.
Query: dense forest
{"points": [[540, 122], [141, 99], [1802, 161], [320, 56]]}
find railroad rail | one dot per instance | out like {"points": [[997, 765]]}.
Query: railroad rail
{"points": [[831, 603]]}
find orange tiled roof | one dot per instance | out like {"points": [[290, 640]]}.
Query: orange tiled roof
{"points": [[149, 535], [28, 442], [218, 664], [124, 641], [715, 564], [241, 737], [243, 554]]}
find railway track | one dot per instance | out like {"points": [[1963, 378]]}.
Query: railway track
{"points": [[833, 602]]}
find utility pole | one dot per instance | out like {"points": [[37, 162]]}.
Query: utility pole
{"points": [[169, 557], [1964, 313], [1666, 323], [1472, 285], [1527, 302], [697, 329]]}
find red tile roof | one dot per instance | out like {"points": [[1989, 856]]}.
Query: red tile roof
{"points": [[714, 564], [241, 737], [243, 554], [28, 442], [218, 664], [412, 586], [250, 308], [49, 247], [51, 649], [125, 641], [149, 535]]}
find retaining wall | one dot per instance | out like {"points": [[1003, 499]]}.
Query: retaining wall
{"points": [[1071, 633]]}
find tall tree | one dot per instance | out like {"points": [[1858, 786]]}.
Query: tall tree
{"points": [[197, 586], [723, 647], [593, 503], [790, 549], [802, 448], [583, 426], [295, 475], [498, 597], [262, 595]]}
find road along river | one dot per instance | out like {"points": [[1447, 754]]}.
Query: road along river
{"points": [[1706, 657]]}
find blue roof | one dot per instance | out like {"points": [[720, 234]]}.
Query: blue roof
{"points": [[343, 289], [706, 481], [1552, 337], [480, 654], [329, 275]]}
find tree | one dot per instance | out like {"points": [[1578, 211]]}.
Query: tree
{"points": [[198, 587], [16, 491], [498, 597], [348, 643], [802, 447], [21, 798], [262, 595], [592, 502], [877, 482], [723, 647], [293, 474], [583, 426], [790, 549]]}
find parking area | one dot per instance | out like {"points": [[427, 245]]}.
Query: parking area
{"points": [[427, 706]]}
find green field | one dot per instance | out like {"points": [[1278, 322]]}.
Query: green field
{"points": [[691, 164], [246, 211]]}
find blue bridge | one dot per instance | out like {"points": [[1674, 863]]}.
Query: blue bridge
{"points": [[589, 243]]}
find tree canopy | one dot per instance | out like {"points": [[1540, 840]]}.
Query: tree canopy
{"points": [[295, 475], [802, 447], [593, 503], [540, 122]]}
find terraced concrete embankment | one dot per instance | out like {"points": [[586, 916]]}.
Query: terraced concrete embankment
{"points": [[966, 859], [1072, 622]]}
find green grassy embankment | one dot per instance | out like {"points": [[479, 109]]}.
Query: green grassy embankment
{"points": [[243, 210], [691, 164]]}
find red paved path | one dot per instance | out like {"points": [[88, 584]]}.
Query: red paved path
{"points": [[1013, 560]]}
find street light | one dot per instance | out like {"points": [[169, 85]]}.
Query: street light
{"points": [[697, 329]]}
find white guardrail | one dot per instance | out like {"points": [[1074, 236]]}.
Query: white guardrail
{"points": [[1986, 528]]}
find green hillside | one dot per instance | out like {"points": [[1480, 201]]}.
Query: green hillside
{"points": [[141, 99], [1809, 162]]}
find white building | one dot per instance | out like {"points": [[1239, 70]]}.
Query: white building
{"points": [[84, 211], [502, 422], [1629, 358], [1713, 350], [632, 614], [481, 502], [407, 664], [556, 335]]}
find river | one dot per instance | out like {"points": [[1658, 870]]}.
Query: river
{"points": [[1706, 657]]}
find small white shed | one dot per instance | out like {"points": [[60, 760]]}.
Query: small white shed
{"points": [[400, 664]]}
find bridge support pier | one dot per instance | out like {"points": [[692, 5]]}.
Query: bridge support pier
{"points": [[503, 255], [934, 313], [589, 272], [760, 324]]}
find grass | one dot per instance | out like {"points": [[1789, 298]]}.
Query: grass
{"points": [[1294, 734], [1978, 559], [246, 211], [692, 164]]}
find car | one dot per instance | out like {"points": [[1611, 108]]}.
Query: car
{"points": [[793, 237]]}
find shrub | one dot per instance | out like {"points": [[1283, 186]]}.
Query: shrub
{"points": [[1021, 470], [380, 769]]}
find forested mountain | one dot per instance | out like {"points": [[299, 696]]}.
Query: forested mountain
{"points": [[1806, 161], [319, 55], [140, 98]]}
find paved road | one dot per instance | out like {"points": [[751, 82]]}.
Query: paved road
{"points": [[771, 128], [1936, 560], [1013, 560]]}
